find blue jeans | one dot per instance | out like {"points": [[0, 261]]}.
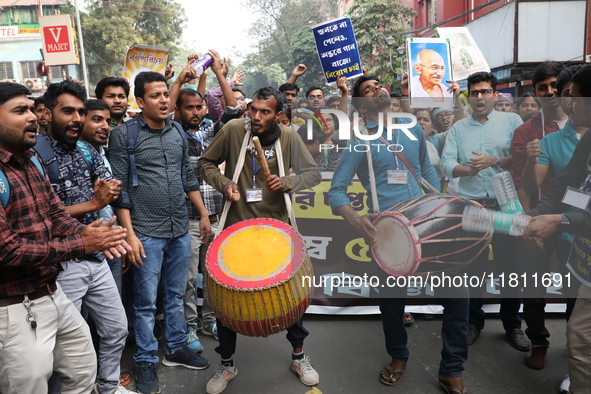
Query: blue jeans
{"points": [[454, 332], [167, 261]]}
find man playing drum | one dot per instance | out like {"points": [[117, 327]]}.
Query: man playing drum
{"points": [[396, 180], [256, 201]]}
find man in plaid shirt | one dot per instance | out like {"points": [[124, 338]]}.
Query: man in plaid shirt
{"points": [[192, 109], [37, 234]]}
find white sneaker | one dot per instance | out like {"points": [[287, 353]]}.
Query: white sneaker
{"points": [[565, 385], [305, 371], [219, 381], [122, 390]]}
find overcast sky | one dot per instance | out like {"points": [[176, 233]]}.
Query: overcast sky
{"points": [[220, 25]]}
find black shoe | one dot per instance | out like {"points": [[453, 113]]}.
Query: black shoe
{"points": [[146, 380], [518, 340], [473, 334], [185, 357]]}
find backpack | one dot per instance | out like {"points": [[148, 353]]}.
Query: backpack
{"points": [[132, 133], [5, 186], [45, 151]]}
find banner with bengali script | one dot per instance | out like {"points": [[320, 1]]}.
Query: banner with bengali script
{"points": [[336, 249], [143, 58], [337, 49]]}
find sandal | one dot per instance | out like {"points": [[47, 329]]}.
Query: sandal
{"points": [[450, 389], [428, 316], [407, 319], [393, 374]]}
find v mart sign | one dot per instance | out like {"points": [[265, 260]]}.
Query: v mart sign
{"points": [[59, 40]]}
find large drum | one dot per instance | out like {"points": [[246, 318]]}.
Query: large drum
{"points": [[255, 271], [424, 234]]}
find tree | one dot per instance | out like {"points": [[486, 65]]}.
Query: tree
{"points": [[374, 21], [110, 27], [285, 40], [303, 50]]}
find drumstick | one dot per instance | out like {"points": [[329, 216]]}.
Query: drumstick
{"points": [[259, 149]]}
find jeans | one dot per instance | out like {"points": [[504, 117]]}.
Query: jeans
{"points": [[454, 331], [166, 261], [504, 261], [295, 335], [197, 263], [91, 283], [537, 261]]}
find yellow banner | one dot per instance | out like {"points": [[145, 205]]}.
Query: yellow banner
{"points": [[30, 30], [142, 58], [314, 203]]}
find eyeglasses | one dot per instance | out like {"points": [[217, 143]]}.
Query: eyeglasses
{"points": [[484, 92], [434, 67]]}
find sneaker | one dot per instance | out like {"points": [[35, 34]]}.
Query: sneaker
{"points": [[193, 340], [219, 381], [123, 390], [146, 380], [185, 357], [565, 385], [211, 328], [305, 371], [537, 358]]}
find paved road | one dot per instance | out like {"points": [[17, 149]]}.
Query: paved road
{"points": [[348, 352]]}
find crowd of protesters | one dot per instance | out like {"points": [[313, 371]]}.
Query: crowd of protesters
{"points": [[107, 214]]}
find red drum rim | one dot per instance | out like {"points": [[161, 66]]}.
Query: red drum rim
{"points": [[221, 273], [411, 262]]}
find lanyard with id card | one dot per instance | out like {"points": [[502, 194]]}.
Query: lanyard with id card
{"points": [[255, 194]]}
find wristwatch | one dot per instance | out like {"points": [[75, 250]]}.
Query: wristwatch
{"points": [[564, 222], [497, 164]]}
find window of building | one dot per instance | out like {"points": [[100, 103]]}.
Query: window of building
{"points": [[4, 17], [27, 15], [431, 12], [6, 70], [28, 69], [58, 72]]}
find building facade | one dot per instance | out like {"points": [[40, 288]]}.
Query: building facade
{"points": [[21, 43]]}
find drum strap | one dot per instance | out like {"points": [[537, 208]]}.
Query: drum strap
{"points": [[372, 177], [423, 181], [239, 166], [285, 195]]}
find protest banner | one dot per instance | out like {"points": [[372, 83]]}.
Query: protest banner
{"points": [[143, 58], [466, 57], [337, 49], [337, 250]]}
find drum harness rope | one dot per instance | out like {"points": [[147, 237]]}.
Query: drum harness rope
{"points": [[238, 170], [372, 178]]}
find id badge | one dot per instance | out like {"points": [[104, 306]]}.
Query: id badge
{"points": [[254, 195], [397, 177], [577, 198]]}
